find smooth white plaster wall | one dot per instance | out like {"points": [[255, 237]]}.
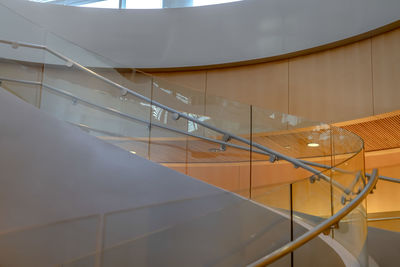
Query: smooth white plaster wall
{"points": [[197, 36]]}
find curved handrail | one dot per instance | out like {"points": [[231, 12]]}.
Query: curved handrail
{"points": [[301, 240], [274, 155], [385, 178], [290, 246], [128, 116], [383, 219], [380, 177]]}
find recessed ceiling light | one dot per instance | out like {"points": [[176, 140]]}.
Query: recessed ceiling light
{"points": [[133, 152], [313, 145]]}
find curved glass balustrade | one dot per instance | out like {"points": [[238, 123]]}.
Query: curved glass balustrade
{"points": [[202, 136], [135, 4]]}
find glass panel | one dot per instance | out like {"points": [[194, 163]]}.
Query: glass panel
{"points": [[83, 3], [311, 205], [168, 141], [176, 3], [275, 198], [220, 165], [211, 2], [291, 136], [18, 62], [137, 4], [227, 115], [312, 200], [118, 115], [348, 175], [102, 4], [12, 75], [216, 163], [384, 204], [95, 105], [71, 51], [140, 4], [227, 168], [385, 199]]}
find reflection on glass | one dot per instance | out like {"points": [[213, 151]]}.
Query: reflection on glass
{"points": [[311, 201], [351, 232], [384, 204], [147, 4], [83, 3], [115, 115], [136, 4], [211, 2], [14, 71], [102, 4]]}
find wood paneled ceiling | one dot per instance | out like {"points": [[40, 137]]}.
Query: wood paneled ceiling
{"points": [[379, 132]]}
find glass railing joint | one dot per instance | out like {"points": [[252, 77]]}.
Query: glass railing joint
{"points": [[314, 178], [226, 138], [328, 231], [273, 158], [175, 116]]}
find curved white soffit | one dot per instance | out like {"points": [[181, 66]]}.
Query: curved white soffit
{"points": [[239, 31]]}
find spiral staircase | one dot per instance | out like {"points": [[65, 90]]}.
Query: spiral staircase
{"points": [[109, 166]]}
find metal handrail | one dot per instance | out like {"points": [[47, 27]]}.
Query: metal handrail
{"points": [[222, 143], [128, 116], [383, 219], [385, 178], [279, 253], [111, 110], [274, 155], [288, 247], [380, 177]]}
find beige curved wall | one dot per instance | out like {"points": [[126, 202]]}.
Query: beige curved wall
{"points": [[353, 81]]}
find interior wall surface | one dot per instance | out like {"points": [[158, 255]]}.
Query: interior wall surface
{"points": [[348, 82], [208, 35]]}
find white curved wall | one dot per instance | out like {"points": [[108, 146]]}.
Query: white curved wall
{"points": [[208, 35]]}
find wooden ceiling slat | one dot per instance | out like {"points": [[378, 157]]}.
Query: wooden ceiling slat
{"points": [[378, 132]]}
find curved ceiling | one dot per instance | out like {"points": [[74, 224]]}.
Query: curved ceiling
{"points": [[233, 32]]}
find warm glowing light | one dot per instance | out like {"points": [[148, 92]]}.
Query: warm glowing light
{"points": [[313, 145], [133, 152]]}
